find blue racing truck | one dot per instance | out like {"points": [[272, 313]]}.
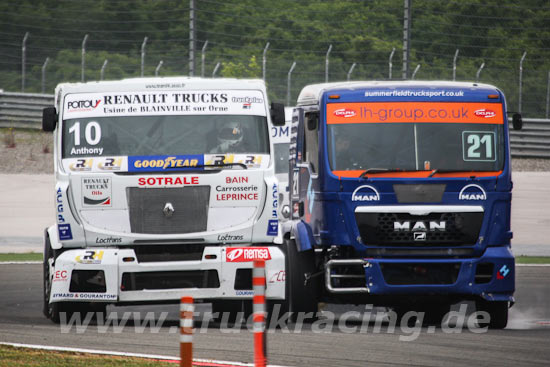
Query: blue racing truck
{"points": [[400, 195]]}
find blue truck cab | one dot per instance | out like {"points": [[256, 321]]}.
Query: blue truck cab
{"points": [[400, 195]]}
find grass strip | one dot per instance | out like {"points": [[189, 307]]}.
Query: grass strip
{"points": [[26, 357]]}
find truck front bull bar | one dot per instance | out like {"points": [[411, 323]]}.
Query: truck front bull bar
{"points": [[329, 276]]}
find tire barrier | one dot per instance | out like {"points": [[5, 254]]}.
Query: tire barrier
{"points": [[186, 331], [259, 313]]}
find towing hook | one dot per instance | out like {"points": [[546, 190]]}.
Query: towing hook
{"points": [[308, 276]]}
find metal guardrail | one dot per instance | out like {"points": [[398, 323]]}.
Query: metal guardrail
{"points": [[24, 110], [532, 141]]}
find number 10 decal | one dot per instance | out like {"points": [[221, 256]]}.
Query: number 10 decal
{"points": [[478, 146], [92, 138]]}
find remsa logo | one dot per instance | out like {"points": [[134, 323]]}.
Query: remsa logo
{"points": [[365, 193], [485, 113], [245, 254], [344, 112], [472, 192]]}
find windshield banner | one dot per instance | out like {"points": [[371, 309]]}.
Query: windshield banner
{"points": [[421, 112], [189, 102], [165, 163]]}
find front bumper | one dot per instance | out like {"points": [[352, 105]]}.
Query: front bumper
{"points": [[108, 275], [468, 277]]}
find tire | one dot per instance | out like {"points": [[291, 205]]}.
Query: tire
{"points": [[497, 310], [50, 310], [435, 314], [53, 310], [300, 296]]}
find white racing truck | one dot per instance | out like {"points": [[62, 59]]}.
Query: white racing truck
{"points": [[164, 187]]}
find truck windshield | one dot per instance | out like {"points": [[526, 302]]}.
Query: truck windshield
{"points": [[365, 143], [165, 135]]}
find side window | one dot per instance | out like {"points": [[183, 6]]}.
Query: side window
{"points": [[311, 146]]}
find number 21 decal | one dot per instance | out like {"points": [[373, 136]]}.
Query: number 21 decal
{"points": [[478, 146]]}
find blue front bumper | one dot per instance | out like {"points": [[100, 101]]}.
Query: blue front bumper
{"points": [[498, 286]]}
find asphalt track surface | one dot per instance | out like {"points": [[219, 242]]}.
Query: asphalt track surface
{"points": [[526, 341]]}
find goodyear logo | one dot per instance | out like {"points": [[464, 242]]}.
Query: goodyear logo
{"points": [[164, 163]]}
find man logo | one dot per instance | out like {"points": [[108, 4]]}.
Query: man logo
{"points": [[472, 192], [431, 226], [365, 193]]}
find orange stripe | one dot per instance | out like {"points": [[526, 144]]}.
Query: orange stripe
{"points": [[186, 314], [186, 330], [258, 299], [259, 317], [260, 359], [416, 174], [186, 299], [259, 263], [258, 281], [186, 355], [421, 112]]}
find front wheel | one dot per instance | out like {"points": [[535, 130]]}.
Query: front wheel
{"points": [[50, 310], [302, 292], [54, 310], [497, 310]]}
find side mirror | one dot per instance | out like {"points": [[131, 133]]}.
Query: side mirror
{"points": [[517, 121], [49, 119], [301, 210], [312, 122], [277, 114]]}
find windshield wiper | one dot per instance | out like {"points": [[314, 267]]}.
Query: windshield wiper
{"points": [[186, 168], [379, 170]]}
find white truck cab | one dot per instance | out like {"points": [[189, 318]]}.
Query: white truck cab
{"points": [[164, 187]]}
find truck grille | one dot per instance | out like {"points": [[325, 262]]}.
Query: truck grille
{"points": [[419, 230], [147, 209], [170, 280], [420, 273]]}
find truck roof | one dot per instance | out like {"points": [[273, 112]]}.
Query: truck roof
{"points": [[160, 83], [311, 94]]}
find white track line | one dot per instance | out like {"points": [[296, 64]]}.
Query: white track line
{"points": [[124, 354], [532, 264]]}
